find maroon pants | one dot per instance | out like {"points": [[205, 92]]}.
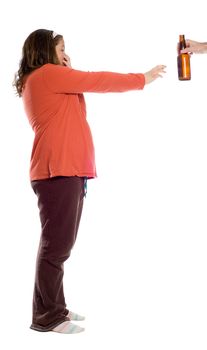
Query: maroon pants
{"points": [[60, 202]]}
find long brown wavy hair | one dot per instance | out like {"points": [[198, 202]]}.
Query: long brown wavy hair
{"points": [[38, 49]]}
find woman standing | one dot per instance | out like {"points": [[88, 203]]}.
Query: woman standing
{"points": [[62, 159]]}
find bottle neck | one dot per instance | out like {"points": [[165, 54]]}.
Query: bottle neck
{"points": [[182, 43]]}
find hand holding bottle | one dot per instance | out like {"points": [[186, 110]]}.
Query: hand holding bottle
{"points": [[194, 47], [154, 73]]}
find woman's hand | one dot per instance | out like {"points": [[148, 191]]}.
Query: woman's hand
{"points": [[66, 61], [154, 73]]}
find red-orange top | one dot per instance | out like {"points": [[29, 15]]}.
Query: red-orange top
{"points": [[54, 104]]}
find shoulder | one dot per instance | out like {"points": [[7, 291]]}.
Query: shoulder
{"points": [[54, 72], [54, 68]]}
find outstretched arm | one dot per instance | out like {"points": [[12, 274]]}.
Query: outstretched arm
{"points": [[150, 76], [62, 80]]}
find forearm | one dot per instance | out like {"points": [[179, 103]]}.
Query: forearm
{"points": [[204, 47]]}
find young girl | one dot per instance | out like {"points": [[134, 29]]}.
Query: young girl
{"points": [[62, 159]]}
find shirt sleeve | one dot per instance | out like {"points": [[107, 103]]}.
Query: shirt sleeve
{"points": [[61, 79]]}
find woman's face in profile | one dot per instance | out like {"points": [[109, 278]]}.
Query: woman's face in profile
{"points": [[62, 57]]}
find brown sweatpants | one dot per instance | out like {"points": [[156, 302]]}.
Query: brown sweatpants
{"points": [[60, 202]]}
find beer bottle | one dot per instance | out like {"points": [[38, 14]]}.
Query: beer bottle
{"points": [[183, 60]]}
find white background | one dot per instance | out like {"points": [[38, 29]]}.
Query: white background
{"points": [[138, 269]]}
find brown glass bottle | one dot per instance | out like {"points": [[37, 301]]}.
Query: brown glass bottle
{"points": [[183, 61]]}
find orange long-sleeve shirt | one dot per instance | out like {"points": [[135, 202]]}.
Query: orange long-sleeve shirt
{"points": [[54, 104]]}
